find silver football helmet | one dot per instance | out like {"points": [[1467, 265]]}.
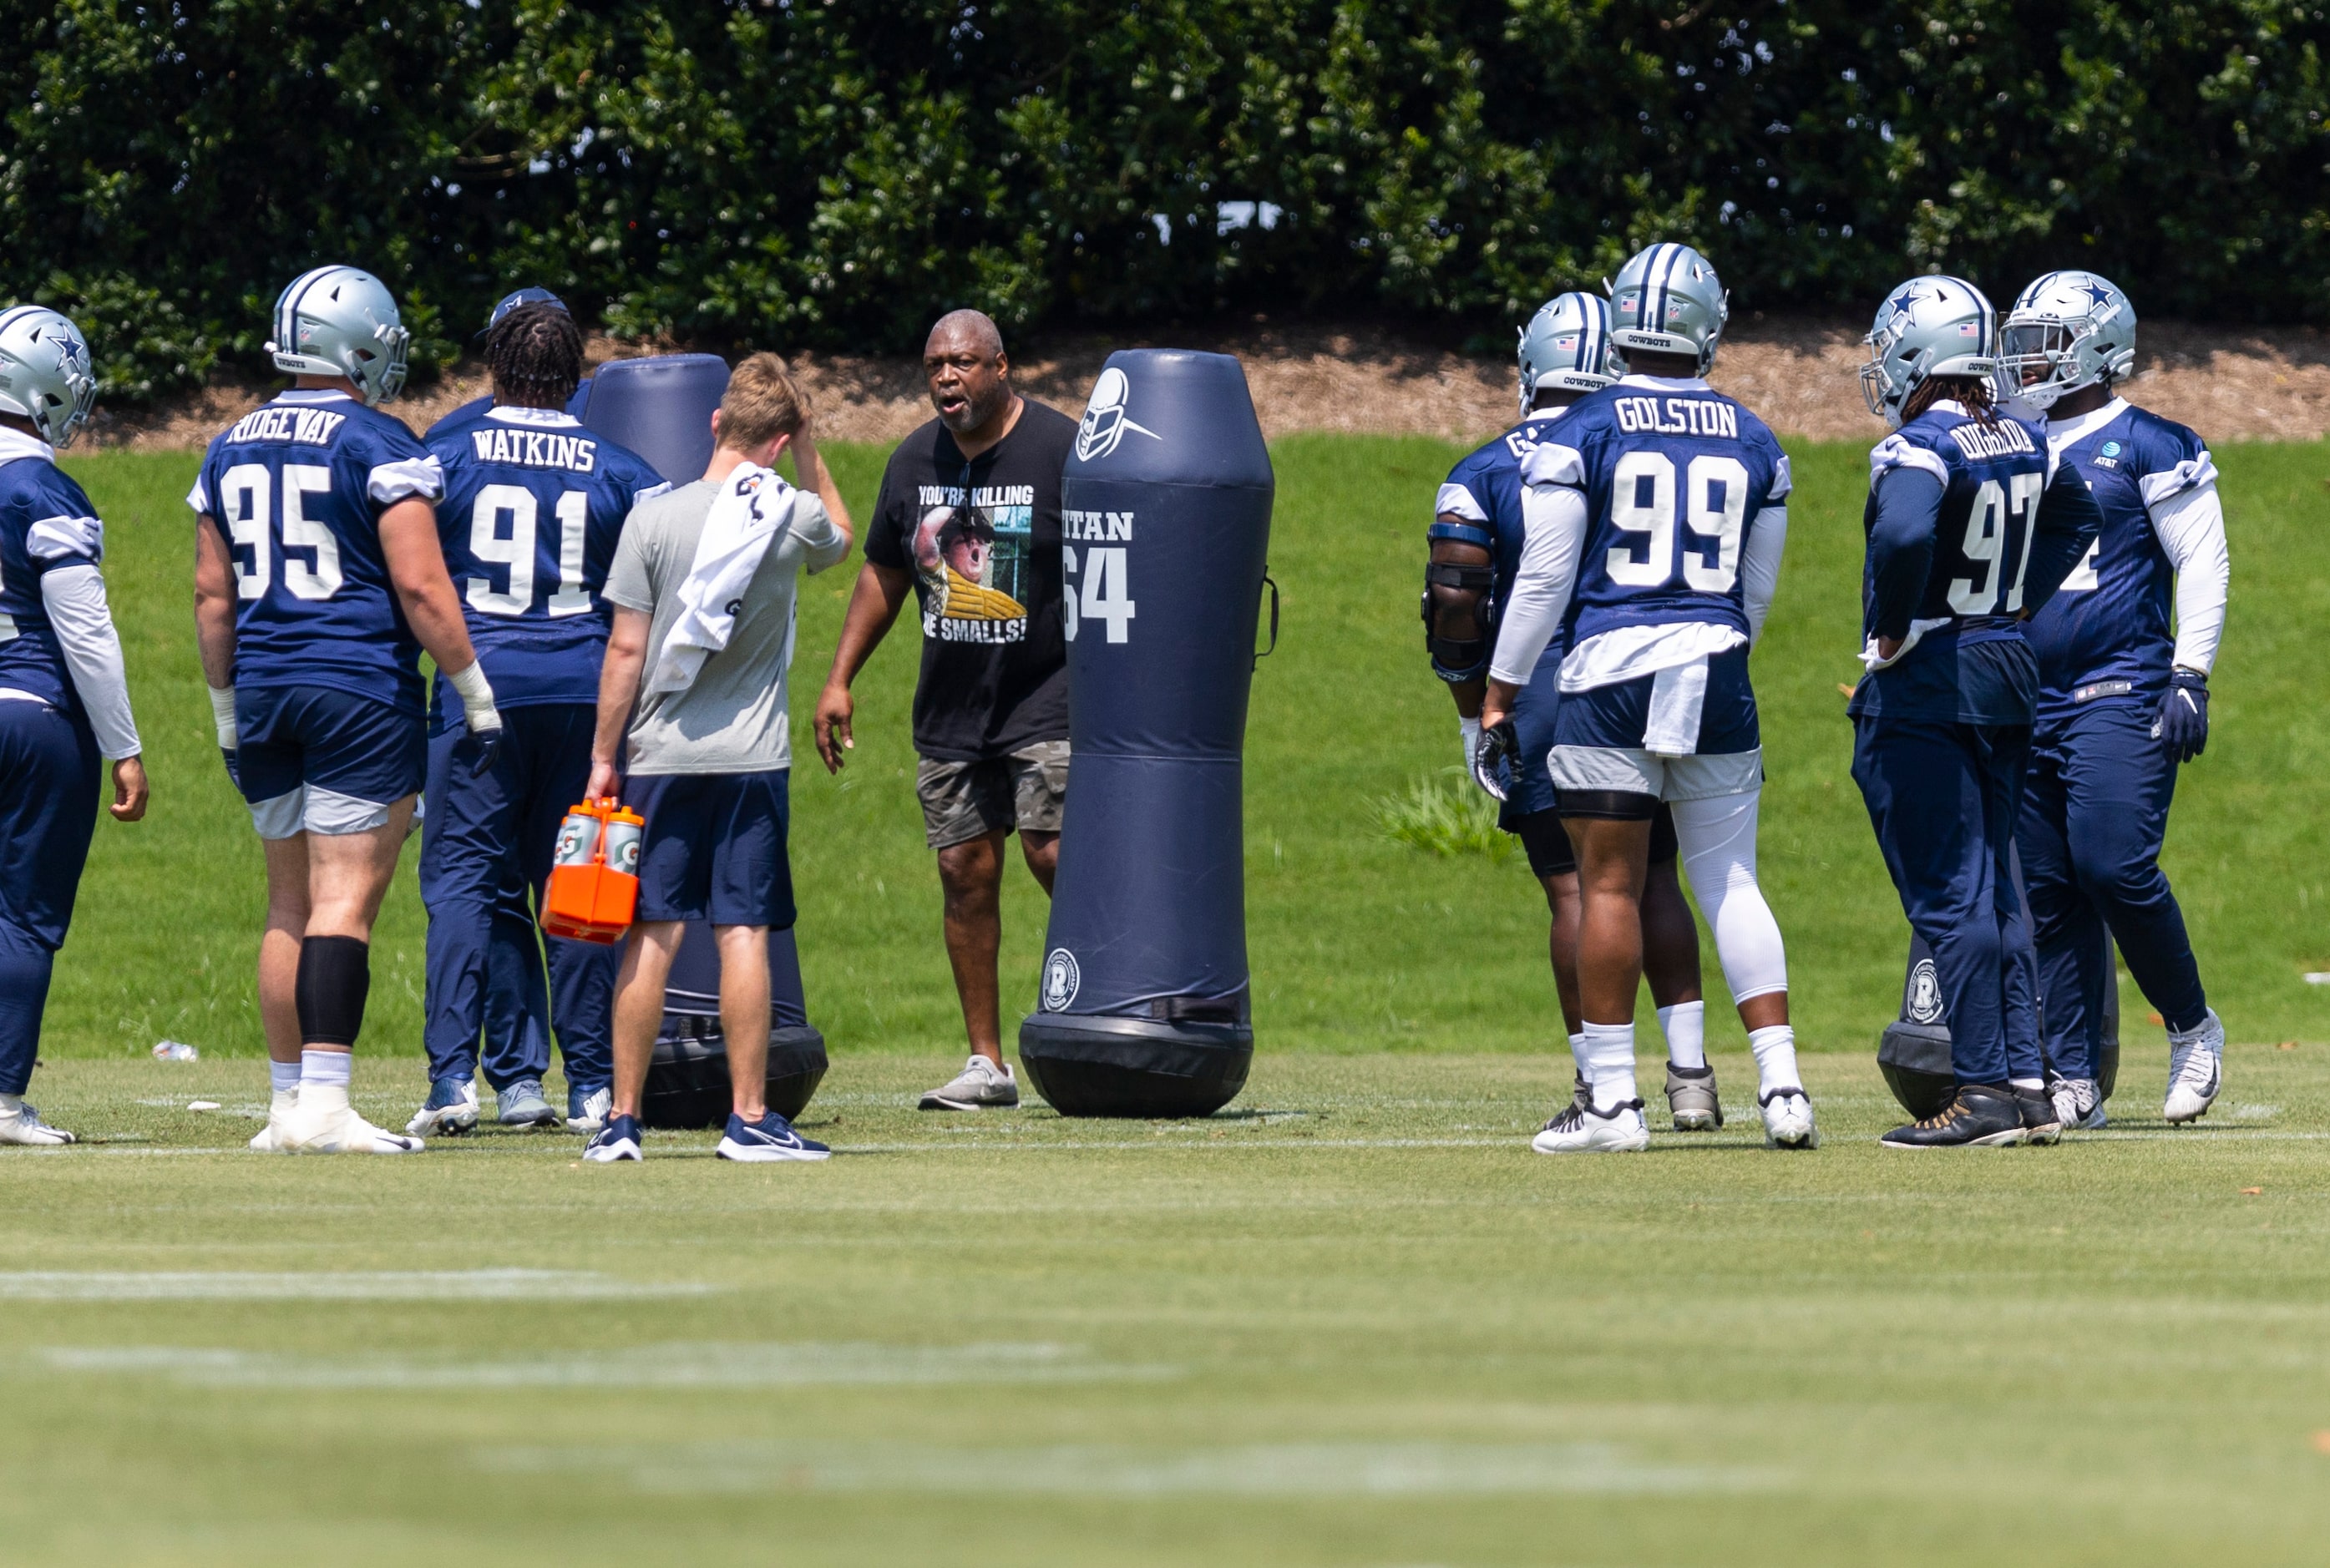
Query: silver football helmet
{"points": [[342, 321], [45, 372], [1669, 300], [2067, 330], [1567, 345], [1929, 326]]}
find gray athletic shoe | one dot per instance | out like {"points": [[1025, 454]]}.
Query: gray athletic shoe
{"points": [[452, 1109], [2079, 1103], [981, 1085], [1690, 1096], [586, 1110], [2195, 1069], [521, 1105]]}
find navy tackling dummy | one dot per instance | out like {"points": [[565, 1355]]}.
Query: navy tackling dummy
{"points": [[2122, 699], [1656, 511], [63, 700], [1970, 529], [317, 583], [1475, 540], [534, 506]]}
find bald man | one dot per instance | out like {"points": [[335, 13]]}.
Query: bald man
{"points": [[969, 518]]}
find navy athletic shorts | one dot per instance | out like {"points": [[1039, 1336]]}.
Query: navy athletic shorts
{"points": [[313, 759], [714, 847]]}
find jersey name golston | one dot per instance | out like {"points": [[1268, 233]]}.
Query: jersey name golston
{"points": [[1676, 417], [309, 427], [2001, 439]]}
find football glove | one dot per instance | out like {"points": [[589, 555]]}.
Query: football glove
{"points": [[2183, 726], [1495, 757]]}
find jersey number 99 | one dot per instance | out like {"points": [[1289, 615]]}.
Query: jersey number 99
{"points": [[1715, 506]]}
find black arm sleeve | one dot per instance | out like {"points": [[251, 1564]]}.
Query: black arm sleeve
{"points": [[1901, 547], [2068, 523]]}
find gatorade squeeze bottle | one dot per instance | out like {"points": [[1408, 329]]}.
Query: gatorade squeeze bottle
{"points": [[594, 882]]}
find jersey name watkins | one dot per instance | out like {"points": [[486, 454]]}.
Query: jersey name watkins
{"points": [[307, 427], [534, 448], [1677, 417], [987, 497], [1081, 527], [2004, 440]]}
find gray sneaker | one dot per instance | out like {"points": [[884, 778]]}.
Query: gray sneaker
{"points": [[521, 1105], [1690, 1096], [586, 1109], [980, 1085]]}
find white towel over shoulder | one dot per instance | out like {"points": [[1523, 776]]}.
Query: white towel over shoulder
{"points": [[753, 510]]}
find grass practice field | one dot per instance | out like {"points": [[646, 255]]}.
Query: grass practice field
{"points": [[1351, 1321]]}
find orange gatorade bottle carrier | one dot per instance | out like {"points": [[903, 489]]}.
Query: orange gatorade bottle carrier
{"points": [[594, 882]]}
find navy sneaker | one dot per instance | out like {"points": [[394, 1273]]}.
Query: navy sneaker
{"points": [[618, 1139], [772, 1138]]}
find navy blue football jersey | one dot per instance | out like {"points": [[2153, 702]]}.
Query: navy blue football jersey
{"points": [[534, 506], [45, 523], [296, 489], [1674, 476], [1484, 489], [1993, 475], [475, 408], [2110, 621]]}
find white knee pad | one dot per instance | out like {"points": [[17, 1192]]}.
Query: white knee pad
{"points": [[1716, 838]]}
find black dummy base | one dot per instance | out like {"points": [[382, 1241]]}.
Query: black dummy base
{"points": [[1087, 1064], [688, 1078]]}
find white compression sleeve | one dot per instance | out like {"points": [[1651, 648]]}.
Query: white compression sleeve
{"points": [[1759, 566], [74, 597], [1718, 841], [2191, 530], [1553, 522]]}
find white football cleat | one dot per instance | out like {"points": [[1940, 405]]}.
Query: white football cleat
{"points": [[1788, 1119], [27, 1128], [340, 1130], [2195, 1069], [269, 1139], [450, 1110], [2079, 1103], [1620, 1129]]}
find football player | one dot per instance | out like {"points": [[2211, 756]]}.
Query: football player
{"points": [[476, 407], [2123, 701], [1970, 529], [317, 583], [534, 505], [63, 701], [1476, 549], [1656, 512]]}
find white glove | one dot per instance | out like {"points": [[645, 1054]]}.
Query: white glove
{"points": [[477, 694], [1471, 732], [223, 715]]}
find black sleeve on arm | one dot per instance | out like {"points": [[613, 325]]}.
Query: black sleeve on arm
{"points": [[1902, 546], [883, 545], [2068, 523]]}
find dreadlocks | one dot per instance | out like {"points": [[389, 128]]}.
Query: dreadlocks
{"points": [[1971, 392], [536, 356]]}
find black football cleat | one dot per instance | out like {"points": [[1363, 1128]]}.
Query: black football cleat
{"points": [[2042, 1123], [1981, 1116]]}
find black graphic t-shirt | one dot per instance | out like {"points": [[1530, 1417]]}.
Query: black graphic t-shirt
{"points": [[982, 539]]}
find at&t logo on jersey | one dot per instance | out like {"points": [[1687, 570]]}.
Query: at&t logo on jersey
{"points": [[1061, 979]]}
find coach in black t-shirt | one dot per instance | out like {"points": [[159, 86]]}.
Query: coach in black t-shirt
{"points": [[969, 518]]}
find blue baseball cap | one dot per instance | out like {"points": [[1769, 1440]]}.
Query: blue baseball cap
{"points": [[510, 302]]}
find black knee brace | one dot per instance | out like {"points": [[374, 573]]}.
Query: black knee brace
{"points": [[335, 978]]}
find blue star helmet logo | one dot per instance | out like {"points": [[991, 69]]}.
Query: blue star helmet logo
{"points": [[1901, 302], [73, 356], [2096, 294]]}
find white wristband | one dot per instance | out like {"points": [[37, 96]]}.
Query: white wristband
{"points": [[223, 715], [1471, 728], [477, 694]]}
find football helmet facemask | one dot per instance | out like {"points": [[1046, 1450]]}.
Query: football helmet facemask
{"points": [[46, 375], [2067, 330]]}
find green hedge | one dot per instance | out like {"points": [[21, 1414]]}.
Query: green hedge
{"points": [[833, 172]]}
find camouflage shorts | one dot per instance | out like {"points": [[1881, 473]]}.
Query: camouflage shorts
{"points": [[966, 800]]}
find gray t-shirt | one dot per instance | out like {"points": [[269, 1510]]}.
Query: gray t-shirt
{"points": [[732, 718]]}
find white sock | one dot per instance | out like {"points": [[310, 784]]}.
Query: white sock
{"points": [[1577, 1054], [1610, 1063], [1685, 1026], [2026, 1083], [324, 1080], [11, 1105], [282, 1077], [1775, 1058]]}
